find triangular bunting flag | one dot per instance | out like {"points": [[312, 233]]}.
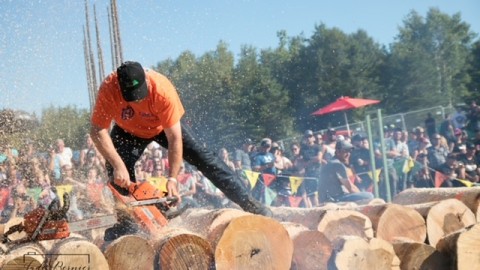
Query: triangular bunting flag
{"points": [[377, 174], [252, 177], [439, 179], [465, 182], [62, 189], [295, 201], [270, 196], [408, 165], [295, 183], [268, 179], [159, 182]]}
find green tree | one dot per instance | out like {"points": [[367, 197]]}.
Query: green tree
{"points": [[428, 62], [68, 123]]}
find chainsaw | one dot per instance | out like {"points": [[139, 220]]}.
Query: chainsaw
{"points": [[149, 206], [51, 223]]}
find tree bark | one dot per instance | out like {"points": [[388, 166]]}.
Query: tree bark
{"points": [[130, 252], [470, 196], [254, 242], [311, 249], [463, 246], [391, 221], [414, 255], [353, 252]]}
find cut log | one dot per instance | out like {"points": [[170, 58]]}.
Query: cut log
{"points": [[414, 255], [209, 224], [311, 249], [24, 256], [181, 249], [335, 223], [77, 253], [391, 221], [464, 246], [470, 196], [308, 217], [254, 242], [130, 252], [353, 252], [446, 217]]}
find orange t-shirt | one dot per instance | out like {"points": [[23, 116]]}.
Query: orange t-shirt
{"points": [[161, 109]]}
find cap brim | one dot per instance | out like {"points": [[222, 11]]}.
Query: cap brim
{"points": [[136, 94]]}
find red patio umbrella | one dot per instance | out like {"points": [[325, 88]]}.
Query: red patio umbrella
{"points": [[343, 104]]}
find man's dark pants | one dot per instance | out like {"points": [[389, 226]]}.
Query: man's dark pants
{"points": [[130, 148]]}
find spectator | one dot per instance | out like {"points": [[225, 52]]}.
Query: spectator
{"points": [[430, 125], [459, 119], [312, 156], [437, 153], [264, 160], [328, 150], [282, 163], [298, 162], [447, 131], [158, 167], [360, 160], [187, 187], [470, 170], [473, 116], [449, 169], [335, 178], [89, 150], [423, 177], [224, 156], [241, 157], [396, 152]]}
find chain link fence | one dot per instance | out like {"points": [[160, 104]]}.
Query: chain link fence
{"points": [[406, 121]]}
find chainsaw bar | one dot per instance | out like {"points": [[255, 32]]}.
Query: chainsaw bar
{"points": [[152, 201], [92, 223]]}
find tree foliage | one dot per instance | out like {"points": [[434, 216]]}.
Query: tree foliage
{"points": [[272, 92]]}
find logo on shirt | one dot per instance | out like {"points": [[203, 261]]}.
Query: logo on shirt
{"points": [[127, 113]]}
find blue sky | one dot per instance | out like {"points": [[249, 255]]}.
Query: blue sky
{"points": [[41, 51]]}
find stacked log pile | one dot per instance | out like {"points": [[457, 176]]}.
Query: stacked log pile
{"points": [[421, 229]]}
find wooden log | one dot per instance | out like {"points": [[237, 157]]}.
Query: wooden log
{"points": [[308, 217], [24, 256], [470, 196], [77, 253], [311, 249], [391, 221], [254, 242], [181, 249], [209, 224], [445, 217], [130, 252], [414, 255], [335, 223], [353, 252], [464, 246]]}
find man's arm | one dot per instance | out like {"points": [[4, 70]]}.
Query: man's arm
{"points": [[102, 140], [175, 157]]}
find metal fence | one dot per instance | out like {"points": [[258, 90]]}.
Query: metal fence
{"points": [[407, 121]]}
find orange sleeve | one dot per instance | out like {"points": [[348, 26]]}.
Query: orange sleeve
{"points": [[102, 114]]}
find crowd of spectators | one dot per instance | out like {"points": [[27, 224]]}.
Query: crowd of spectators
{"points": [[451, 148]]}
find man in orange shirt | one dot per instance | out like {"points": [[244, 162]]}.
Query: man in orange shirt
{"points": [[145, 107]]}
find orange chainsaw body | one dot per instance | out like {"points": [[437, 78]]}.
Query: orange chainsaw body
{"points": [[149, 217], [51, 229]]}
